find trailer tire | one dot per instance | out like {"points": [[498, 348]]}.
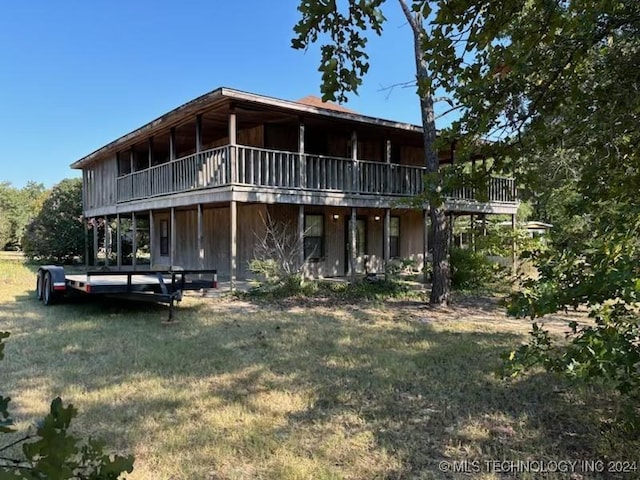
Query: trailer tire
{"points": [[39, 286], [48, 296]]}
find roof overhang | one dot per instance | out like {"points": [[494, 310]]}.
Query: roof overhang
{"points": [[227, 95]]}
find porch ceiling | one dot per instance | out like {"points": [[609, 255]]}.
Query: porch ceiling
{"points": [[253, 108]]}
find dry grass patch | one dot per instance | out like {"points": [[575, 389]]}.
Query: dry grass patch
{"points": [[238, 390]]}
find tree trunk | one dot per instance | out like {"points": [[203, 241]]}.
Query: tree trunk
{"points": [[441, 279]]}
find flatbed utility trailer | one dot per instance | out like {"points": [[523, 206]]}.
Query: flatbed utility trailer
{"points": [[157, 286]]}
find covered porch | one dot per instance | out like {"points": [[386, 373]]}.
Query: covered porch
{"points": [[333, 240]]}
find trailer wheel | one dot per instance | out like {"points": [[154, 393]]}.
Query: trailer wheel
{"points": [[47, 294], [39, 286]]}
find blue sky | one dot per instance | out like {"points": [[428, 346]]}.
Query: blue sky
{"points": [[75, 75]]}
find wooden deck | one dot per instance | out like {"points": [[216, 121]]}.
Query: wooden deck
{"points": [[277, 170]]}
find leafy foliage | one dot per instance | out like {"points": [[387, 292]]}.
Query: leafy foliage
{"points": [[57, 233], [563, 100], [599, 268], [52, 452], [17, 208], [470, 270], [344, 60], [607, 351]]}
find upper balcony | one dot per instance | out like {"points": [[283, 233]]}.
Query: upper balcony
{"points": [[277, 171]]}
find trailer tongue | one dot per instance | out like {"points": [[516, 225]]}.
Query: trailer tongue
{"points": [[157, 286]]}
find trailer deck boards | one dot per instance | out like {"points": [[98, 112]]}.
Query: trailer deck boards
{"points": [[159, 286], [113, 279]]}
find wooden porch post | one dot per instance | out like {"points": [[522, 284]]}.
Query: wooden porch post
{"points": [[233, 231], [119, 241], [172, 249], [387, 156], [86, 242], [387, 241], [355, 181], [472, 231], [152, 240], [107, 241], [200, 239], [451, 239], [514, 266], [233, 132], [150, 158], [134, 240], [198, 133], [301, 258], [172, 144], [95, 242], [353, 243], [303, 161], [425, 245]]}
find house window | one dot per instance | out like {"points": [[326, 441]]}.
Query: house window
{"points": [[164, 238], [124, 163], [394, 237], [313, 237]]}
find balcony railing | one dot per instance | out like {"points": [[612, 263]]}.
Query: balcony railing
{"points": [[259, 167]]}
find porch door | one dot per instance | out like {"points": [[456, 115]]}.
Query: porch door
{"points": [[361, 245]]}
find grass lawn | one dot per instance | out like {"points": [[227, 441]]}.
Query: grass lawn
{"points": [[241, 390]]}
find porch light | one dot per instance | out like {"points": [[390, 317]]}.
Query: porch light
{"points": [[376, 218], [336, 217]]}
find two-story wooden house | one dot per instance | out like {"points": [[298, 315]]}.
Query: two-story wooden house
{"points": [[200, 179]]}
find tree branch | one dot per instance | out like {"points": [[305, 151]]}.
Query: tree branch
{"points": [[23, 439], [447, 112], [411, 18]]}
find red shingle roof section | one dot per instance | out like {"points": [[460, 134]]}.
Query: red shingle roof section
{"points": [[314, 101]]}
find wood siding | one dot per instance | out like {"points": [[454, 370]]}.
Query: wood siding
{"points": [[216, 237], [216, 241], [412, 236], [251, 228], [100, 184], [252, 137]]}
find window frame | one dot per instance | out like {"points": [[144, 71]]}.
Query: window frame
{"points": [[310, 256], [395, 254], [165, 238]]}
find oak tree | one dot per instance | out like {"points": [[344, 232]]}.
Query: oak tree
{"points": [[343, 64]]}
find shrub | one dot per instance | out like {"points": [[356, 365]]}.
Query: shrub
{"points": [[598, 270], [401, 266], [277, 254], [470, 270]]}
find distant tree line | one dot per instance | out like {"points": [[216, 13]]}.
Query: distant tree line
{"points": [[46, 225]]}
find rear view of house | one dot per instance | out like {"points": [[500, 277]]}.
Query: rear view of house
{"points": [[193, 188]]}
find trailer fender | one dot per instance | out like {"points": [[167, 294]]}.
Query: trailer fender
{"points": [[50, 283]]}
